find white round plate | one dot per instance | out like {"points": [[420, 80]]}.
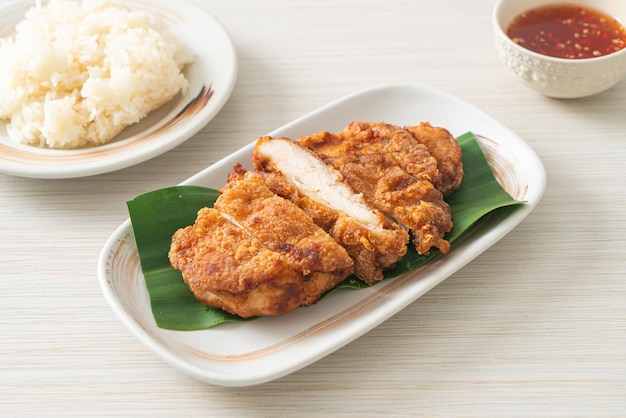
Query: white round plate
{"points": [[211, 76]]}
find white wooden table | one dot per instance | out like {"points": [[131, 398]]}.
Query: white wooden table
{"points": [[536, 326]]}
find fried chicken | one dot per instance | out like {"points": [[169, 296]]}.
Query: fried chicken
{"points": [[294, 172], [446, 150], [394, 172], [317, 210], [278, 224], [257, 254]]}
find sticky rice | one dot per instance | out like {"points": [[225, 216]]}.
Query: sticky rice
{"points": [[76, 74]]}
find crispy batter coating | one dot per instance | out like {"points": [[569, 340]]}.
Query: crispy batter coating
{"points": [[374, 243], [279, 224], [394, 173], [261, 266], [417, 204], [391, 146], [446, 150]]}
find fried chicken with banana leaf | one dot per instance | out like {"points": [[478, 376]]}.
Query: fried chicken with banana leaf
{"points": [[317, 210], [257, 254], [394, 172]]}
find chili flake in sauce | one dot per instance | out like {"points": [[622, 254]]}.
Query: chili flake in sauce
{"points": [[568, 31]]}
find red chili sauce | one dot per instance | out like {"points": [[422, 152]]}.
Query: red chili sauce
{"points": [[568, 31]]}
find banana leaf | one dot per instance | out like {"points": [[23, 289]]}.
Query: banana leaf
{"points": [[156, 215]]}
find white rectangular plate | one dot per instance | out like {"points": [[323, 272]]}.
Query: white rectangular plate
{"points": [[248, 353]]}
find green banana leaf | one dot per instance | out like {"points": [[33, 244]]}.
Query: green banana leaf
{"points": [[156, 215]]}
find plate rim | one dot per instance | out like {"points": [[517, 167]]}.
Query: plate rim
{"points": [[261, 374], [112, 159]]}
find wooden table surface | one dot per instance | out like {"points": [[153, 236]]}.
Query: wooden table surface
{"points": [[535, 326]]}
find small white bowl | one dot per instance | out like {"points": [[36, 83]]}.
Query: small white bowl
{"points": [[558, 77]]}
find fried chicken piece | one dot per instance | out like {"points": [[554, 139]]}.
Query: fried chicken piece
{"points": [[446, 150], [394, 173], [226, 268], [294, 172], [417, 204], [279, 224], [265, 265], [379, 143]]}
